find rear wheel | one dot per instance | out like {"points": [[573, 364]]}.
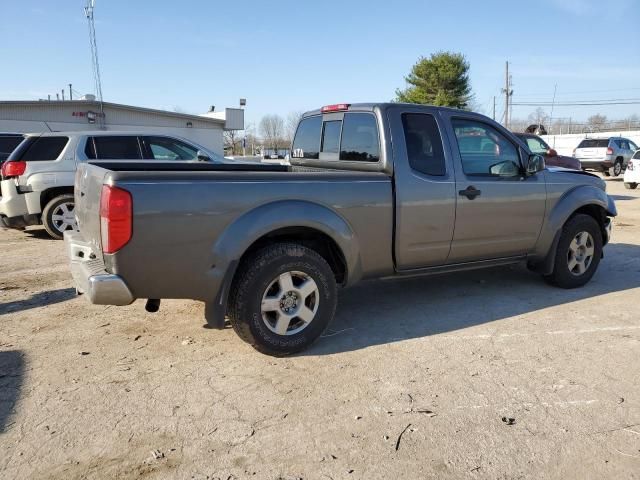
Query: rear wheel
{"points": [[578, 254], [282, 299], [630, 185], [616, 169], [58, 216]]}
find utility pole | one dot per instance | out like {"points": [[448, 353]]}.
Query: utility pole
{"points": [[70, 92], [494, 108], [553, 104], [508, 93], [62, 91]]}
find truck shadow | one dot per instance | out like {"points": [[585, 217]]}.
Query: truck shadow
{"points": [[38, 300], [12, 368], [384, 312]]}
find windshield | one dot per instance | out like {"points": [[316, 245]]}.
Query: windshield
{"points": [[536, 145]]}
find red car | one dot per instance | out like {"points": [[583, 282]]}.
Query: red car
{"points": [[551, 157]]}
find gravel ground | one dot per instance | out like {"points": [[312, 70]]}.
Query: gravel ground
{"points": [[489, 374]]}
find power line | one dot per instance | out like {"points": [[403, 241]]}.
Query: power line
{"points": [[578, 104], [580, 92]]}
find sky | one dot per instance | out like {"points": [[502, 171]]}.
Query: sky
{"points": [[286, 55]]}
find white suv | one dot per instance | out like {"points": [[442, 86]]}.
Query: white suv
{"points": [[37, 178], [632, 173]]}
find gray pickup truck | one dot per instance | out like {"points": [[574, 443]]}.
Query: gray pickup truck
{"points": [[374, 191]]}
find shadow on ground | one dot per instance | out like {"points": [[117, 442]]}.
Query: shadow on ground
{"points": [[618, 198], [39, 233], [37, 300], [383, 312], [12, 368]]}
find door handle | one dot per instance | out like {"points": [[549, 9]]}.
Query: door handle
{"points": [[470, 192]]}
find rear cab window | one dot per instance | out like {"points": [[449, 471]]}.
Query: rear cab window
{"points": [[348, 137], [40, 149]]}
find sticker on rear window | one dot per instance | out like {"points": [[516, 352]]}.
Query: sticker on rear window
{"points": [[298, 153]]}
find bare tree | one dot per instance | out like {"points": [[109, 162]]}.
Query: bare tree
{"points": [[292, 124], [272, 130], [597, 121], [539, 117], [232, 141]]}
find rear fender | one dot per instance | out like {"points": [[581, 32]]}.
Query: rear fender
{"points": [[239, 236]]}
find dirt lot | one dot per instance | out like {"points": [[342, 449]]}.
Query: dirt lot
{"points": [[416, 378]]}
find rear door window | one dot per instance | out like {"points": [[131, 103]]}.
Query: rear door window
{"points": [[424, 143], [117, 148], [594, 143], [307, 141], [359, 138], [44, 148]]}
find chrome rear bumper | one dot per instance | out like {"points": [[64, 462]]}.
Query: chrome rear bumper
{"points": [[90, 276]]}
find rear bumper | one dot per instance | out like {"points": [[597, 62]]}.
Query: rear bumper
{"points": [[18, 210], [592, 164], [90, 276]]}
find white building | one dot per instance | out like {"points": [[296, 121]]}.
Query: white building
{"points": [[76, 115]]}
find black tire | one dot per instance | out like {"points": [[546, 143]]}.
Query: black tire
{"points": [[606, 173], [53, 227], [253, 280], [562, 277], [616, 170], [630, 185]]}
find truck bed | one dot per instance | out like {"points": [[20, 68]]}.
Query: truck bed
{"points": [[190, 219]]}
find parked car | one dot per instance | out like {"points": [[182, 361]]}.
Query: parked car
{"points": [[551, 157], [268, 246], [8, 143], [607, 155], [38, 176], [632, 173]]}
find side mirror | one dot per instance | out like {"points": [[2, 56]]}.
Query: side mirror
{"points": [[552, 153], [203, 157], [535, 164]]}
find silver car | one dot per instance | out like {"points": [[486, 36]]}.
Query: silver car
{"points": [[607, 155]]}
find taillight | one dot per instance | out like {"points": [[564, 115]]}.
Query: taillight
{"points": [[338, 107], [116, 218], [13, 168], [609, 151]]}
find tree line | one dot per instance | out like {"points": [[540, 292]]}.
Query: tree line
{"points": [[442, 79]]}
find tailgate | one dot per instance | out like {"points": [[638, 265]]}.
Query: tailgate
{"points": [[87, 189], [591, 153]]}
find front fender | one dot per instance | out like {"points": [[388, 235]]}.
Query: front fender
{"points": [[236, 239], [571, 201]]}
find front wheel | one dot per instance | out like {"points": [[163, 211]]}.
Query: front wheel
{"points": [[59, 215], [282, 299], [578, 254], [630, 185]]}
